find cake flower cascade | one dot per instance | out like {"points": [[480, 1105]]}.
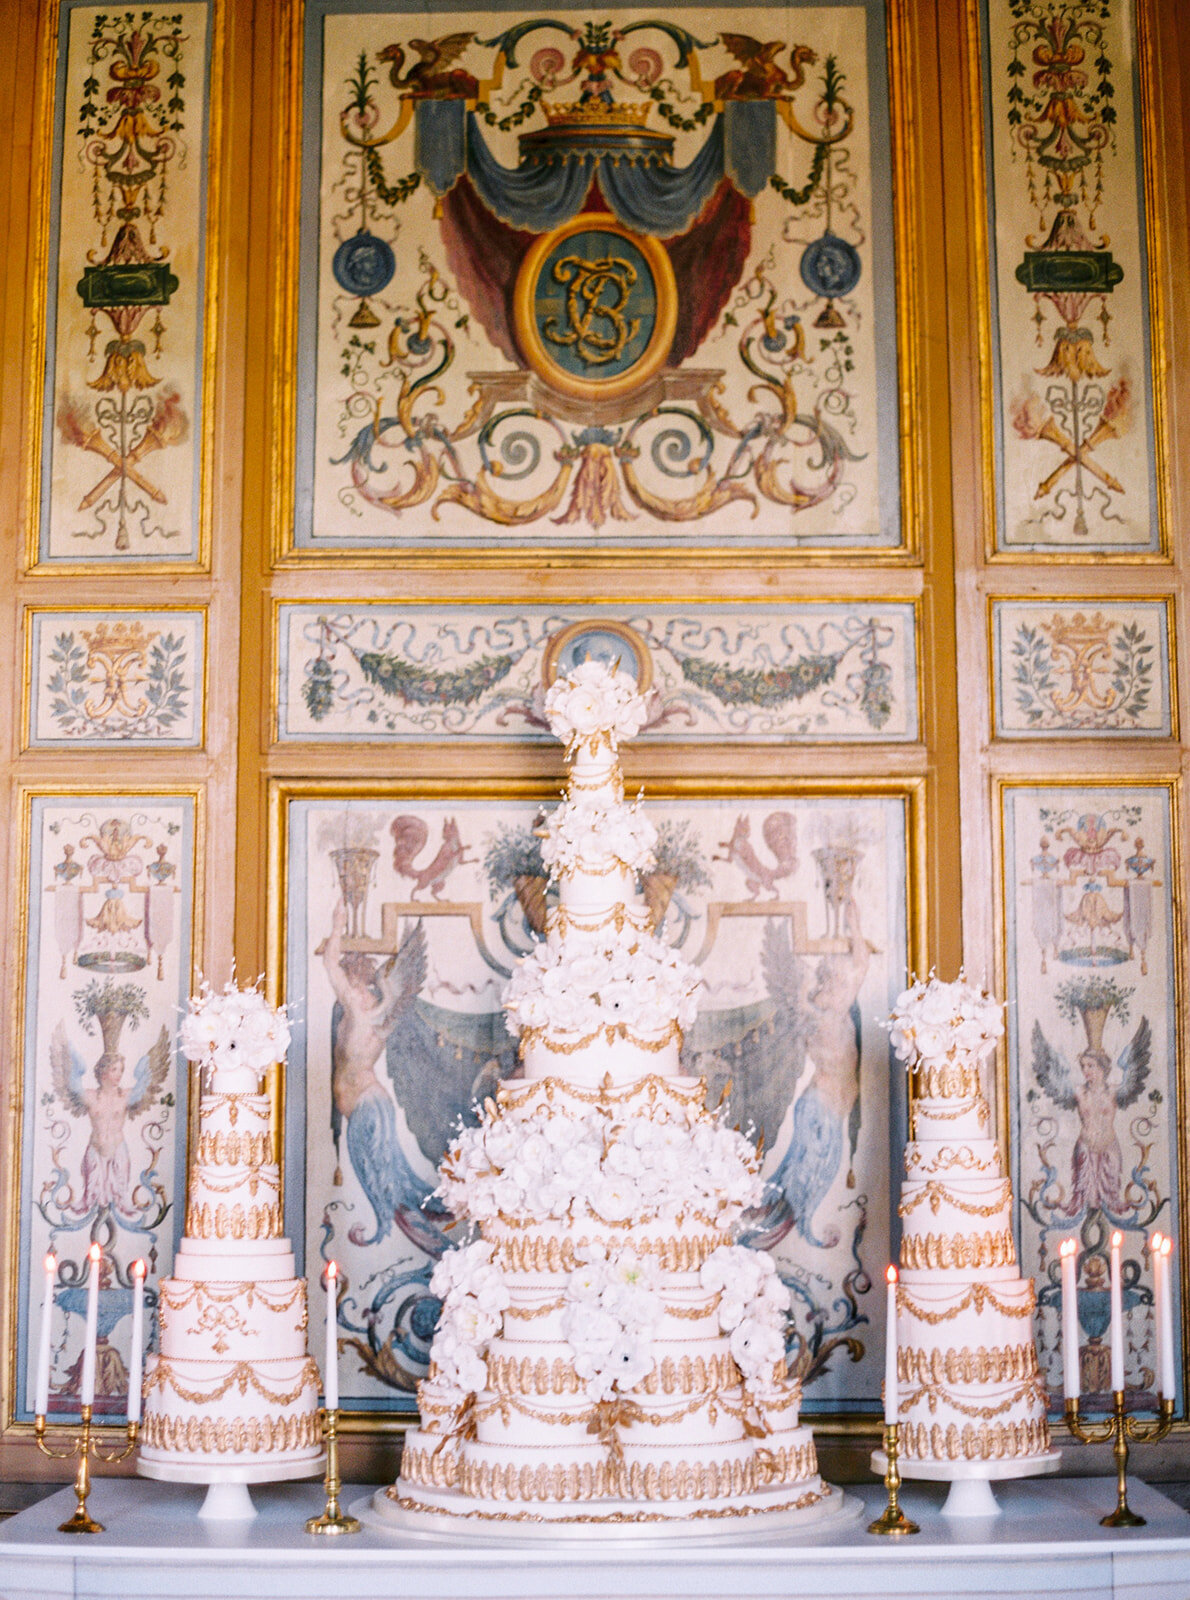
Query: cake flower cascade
{"points": [[232, 1395], [606, 1352], [972, 1398]]}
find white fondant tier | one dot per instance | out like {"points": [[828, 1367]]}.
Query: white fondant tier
{"points": [[961, 1223], [953, 1158], [230, 1413], [221, 1259], [587, 1059], [953, 1121], [592, 889], [233, 1320]]}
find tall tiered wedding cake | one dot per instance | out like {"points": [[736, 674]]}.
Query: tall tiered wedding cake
{"points": [[233, 1394], [972, 1399], [605, 1354]]}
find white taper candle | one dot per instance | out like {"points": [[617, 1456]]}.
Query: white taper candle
{"points": [[1068, 1251], [136, 1356], [91, 1333], [1169, 1385], [330, 1367], [41, 1401], [1117, 1315], [892, 1398]]}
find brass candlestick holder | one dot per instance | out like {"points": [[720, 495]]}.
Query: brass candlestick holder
{"points": [[1121, 1430], [332, 1519], [84, 1446], [892, 1519]]}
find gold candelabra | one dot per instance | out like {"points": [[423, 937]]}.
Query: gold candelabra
{"points": [[1120, 1429], [332, 1519], [892, 1519], [84, 1446]]}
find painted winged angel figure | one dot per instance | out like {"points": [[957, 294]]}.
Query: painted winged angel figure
{"points": [[1097, 1164], [109, 1106]]}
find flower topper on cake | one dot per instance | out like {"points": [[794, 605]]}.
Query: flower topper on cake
{"points": [[595, 706], [933, 1021], [234, 1028]]}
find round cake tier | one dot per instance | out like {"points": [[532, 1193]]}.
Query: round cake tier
{"points": [[594, 889], [959, 1438], [958, 1075], [952, 1158], [218, 1260], [557, 1245], [589, 1059], [680, 1095], [231, 1412], [234, 1114], [951, 1121], [234, 1320], [944, 1315], [535, 1314], [957, 1221], [234, 1203]]}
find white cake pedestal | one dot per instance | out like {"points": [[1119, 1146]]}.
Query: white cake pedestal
{"points": [[970, 1481], [228, 1499]]}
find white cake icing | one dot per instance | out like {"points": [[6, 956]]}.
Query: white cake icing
{"points": [[970, 1387], [605, 1352], [233, 1384]]}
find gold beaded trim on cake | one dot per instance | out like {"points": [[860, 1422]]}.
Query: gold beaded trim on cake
{"points": [[987, 1441], [946, 1080], [695, 1313], [524, 1375], [223, 1435], [560, 1255], [672, 1480], [650, 1089], [938, 1250], [256, 1104], [582, 868], [1029, 1394], [610, 778], [994, 1364], [950, 1158], [936, 1113], [233, 1222], [531, 1313], [812, 1497], [560, 920], [937, 1194], [242, 1377], [179, 1294], [253, 1179], [609, 1032], [220, 1149], [978, 1295]]}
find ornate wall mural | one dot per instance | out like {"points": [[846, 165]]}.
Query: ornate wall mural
{"points": [[606, 279], [1073, 404], [351, 672], [122, 424], [1091, 894], [1082, 666], [404, 918], [112, 677], [107, 965]]}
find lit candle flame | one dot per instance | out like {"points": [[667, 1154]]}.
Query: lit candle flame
{"points": [[1155, 1243], [1068, 1247], [1166, 1247], [890, 1275], [1117, 1239], [139, 1269], [332, 1271], [51, 1262], [95, 1252]]}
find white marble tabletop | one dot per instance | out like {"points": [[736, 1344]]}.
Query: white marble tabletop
{"points": [[1046, 1542]]}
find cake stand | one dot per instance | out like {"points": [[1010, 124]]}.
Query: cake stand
{"points": [[970, 1481], [228, 1498]]}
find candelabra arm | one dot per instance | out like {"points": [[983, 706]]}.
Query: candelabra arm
{"points": [[332, 1520], [1088, 1432], [1152, 1432], [892, 1519], [40, 1427], [120, 1452]]}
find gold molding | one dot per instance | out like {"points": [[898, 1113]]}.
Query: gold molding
{"points": [[10, 1245], [909, 291], [131, 746], [206, 378]]}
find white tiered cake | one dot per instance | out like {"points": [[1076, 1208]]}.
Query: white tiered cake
{"points": [[232, 1397], [605, 1354], [972, 1399]]}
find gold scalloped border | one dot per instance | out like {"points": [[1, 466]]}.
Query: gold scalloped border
{"points": [[938, 1251], [233, 1222], [687, 1375], [224, 1436], [220, 1149], [936, 1193], [990, 1364], [987, 1441], [561, 1255], [977, 1295]]}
